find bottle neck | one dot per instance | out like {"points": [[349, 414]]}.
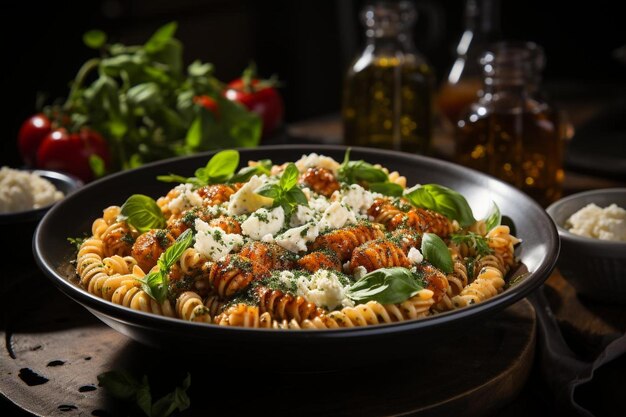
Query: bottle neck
{"points": [[482, 18], [389, 24]]}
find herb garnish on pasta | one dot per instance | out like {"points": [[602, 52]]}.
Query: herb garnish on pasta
{"points": [[308, 244]]}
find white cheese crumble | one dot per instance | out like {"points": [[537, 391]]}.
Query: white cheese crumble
{"points": [[263, 222], [324, 289], [295, 239], [286, 277], [314, 160], [337, 216], [213, 242], [21, 191], [302, 215], [607, 223], [357, 198], [415, 256], [359, 272], [319, 204], [245, 200], [186, 199]]}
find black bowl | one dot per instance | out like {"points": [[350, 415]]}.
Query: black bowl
{"points": [[303, 349], [17, 229]]}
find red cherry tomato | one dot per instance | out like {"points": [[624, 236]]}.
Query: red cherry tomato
{"points": [[208, 103], [261, 98], [70, 152], [31, 134]]}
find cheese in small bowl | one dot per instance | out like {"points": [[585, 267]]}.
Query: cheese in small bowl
{"points": [[25, 190], [608, 223]]}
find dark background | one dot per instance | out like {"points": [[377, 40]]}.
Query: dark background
{"points": [[307, 43]]}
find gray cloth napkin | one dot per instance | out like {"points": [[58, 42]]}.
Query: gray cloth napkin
{"points": [[562, 371]]}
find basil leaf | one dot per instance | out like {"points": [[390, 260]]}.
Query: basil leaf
{"points": [[387, 188], [160, 38], [442, 200], [171, 254], [297, 196], [96, 163], [193, 139], [95, 39], [289, 178], [143, 213], [220, 167], [155, 283], [263, 167], [359, 171], [173, 178], [120, 384], [144, 397], [494, 218], [436, 252], [272, 191], [386, 286], [176, 400]]}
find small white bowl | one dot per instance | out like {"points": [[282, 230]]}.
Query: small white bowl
{"points": [[596, 268]]}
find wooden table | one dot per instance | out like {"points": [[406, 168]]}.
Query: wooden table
{"points": [[58, 375]]}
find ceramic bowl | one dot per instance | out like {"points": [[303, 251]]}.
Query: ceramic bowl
{"points": [[596, 268]]}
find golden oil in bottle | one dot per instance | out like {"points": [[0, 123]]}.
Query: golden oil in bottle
{"points": [[511, 133], [388, 91]]}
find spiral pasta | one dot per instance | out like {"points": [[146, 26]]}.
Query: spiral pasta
{"points": [[312, 261]]}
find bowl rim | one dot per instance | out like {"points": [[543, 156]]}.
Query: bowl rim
{"points": [[50, 175], [101, 307], [564, 233]]}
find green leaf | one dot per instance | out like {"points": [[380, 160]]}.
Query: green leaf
{"points": [[289, 178], [123, 385], [194, 134], [494, 218], [270, 190], [442, 200], [473, 240], [176, 400], [297, 196], [171, 254], [95, 39], [144, 397], [96, 163], [263, 167], [360, 171], [436, 252], [173, 178], [387, 188], [120, 384], [386, 286], [200, 69], [155, 284], [221, 166], [143, 213], [160, 38], [147, 95]]}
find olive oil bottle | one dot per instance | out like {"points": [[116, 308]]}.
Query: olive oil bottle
{"points": [[512, 132], [388, 90]]}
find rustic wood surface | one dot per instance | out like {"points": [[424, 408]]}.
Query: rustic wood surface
{"points": [[54, 350]]}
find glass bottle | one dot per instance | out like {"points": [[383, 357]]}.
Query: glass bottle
{"points": [[464, 82], [512, 132], [388, 90]]}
